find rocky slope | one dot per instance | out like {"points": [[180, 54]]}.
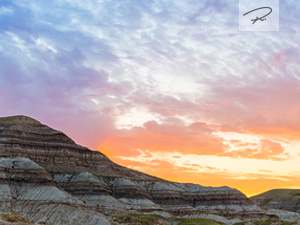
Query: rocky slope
{"points": [[286, 199], [46, 177], [28, 189]]}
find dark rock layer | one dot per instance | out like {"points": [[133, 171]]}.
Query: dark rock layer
{"points": [[90, 179]]}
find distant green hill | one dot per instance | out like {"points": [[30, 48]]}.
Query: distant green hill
{"points": [[286, 199]]}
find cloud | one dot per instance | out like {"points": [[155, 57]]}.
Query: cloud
{"points": [[265, 149], [265, 106], [174, 68], [196, 139]]}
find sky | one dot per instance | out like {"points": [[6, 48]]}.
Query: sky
{"points": [[168, 87]]}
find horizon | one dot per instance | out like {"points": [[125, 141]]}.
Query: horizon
{"points": [[35, 120], [170, 88]]}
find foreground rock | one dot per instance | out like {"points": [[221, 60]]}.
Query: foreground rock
{"points": [[28, 189], [47, 177], [284, 215]]}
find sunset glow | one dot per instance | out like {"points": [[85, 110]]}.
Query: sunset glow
{"points": [[170, 88]]}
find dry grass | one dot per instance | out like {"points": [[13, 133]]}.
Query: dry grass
{"points": [[14, 218]]}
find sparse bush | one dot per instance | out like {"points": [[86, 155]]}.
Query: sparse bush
{"points": [[11, 218]]}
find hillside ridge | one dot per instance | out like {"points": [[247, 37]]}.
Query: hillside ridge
{"points": [[81, 182]]}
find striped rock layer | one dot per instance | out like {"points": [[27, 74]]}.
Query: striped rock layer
{"points": [[46, 176]]}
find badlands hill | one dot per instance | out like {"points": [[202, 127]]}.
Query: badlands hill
{"points": [[286, 199], [48, 178]]}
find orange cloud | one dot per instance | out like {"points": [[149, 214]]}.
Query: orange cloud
{"points": [[194, 139], [197, 138], [139, 148], [266, 149]]}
